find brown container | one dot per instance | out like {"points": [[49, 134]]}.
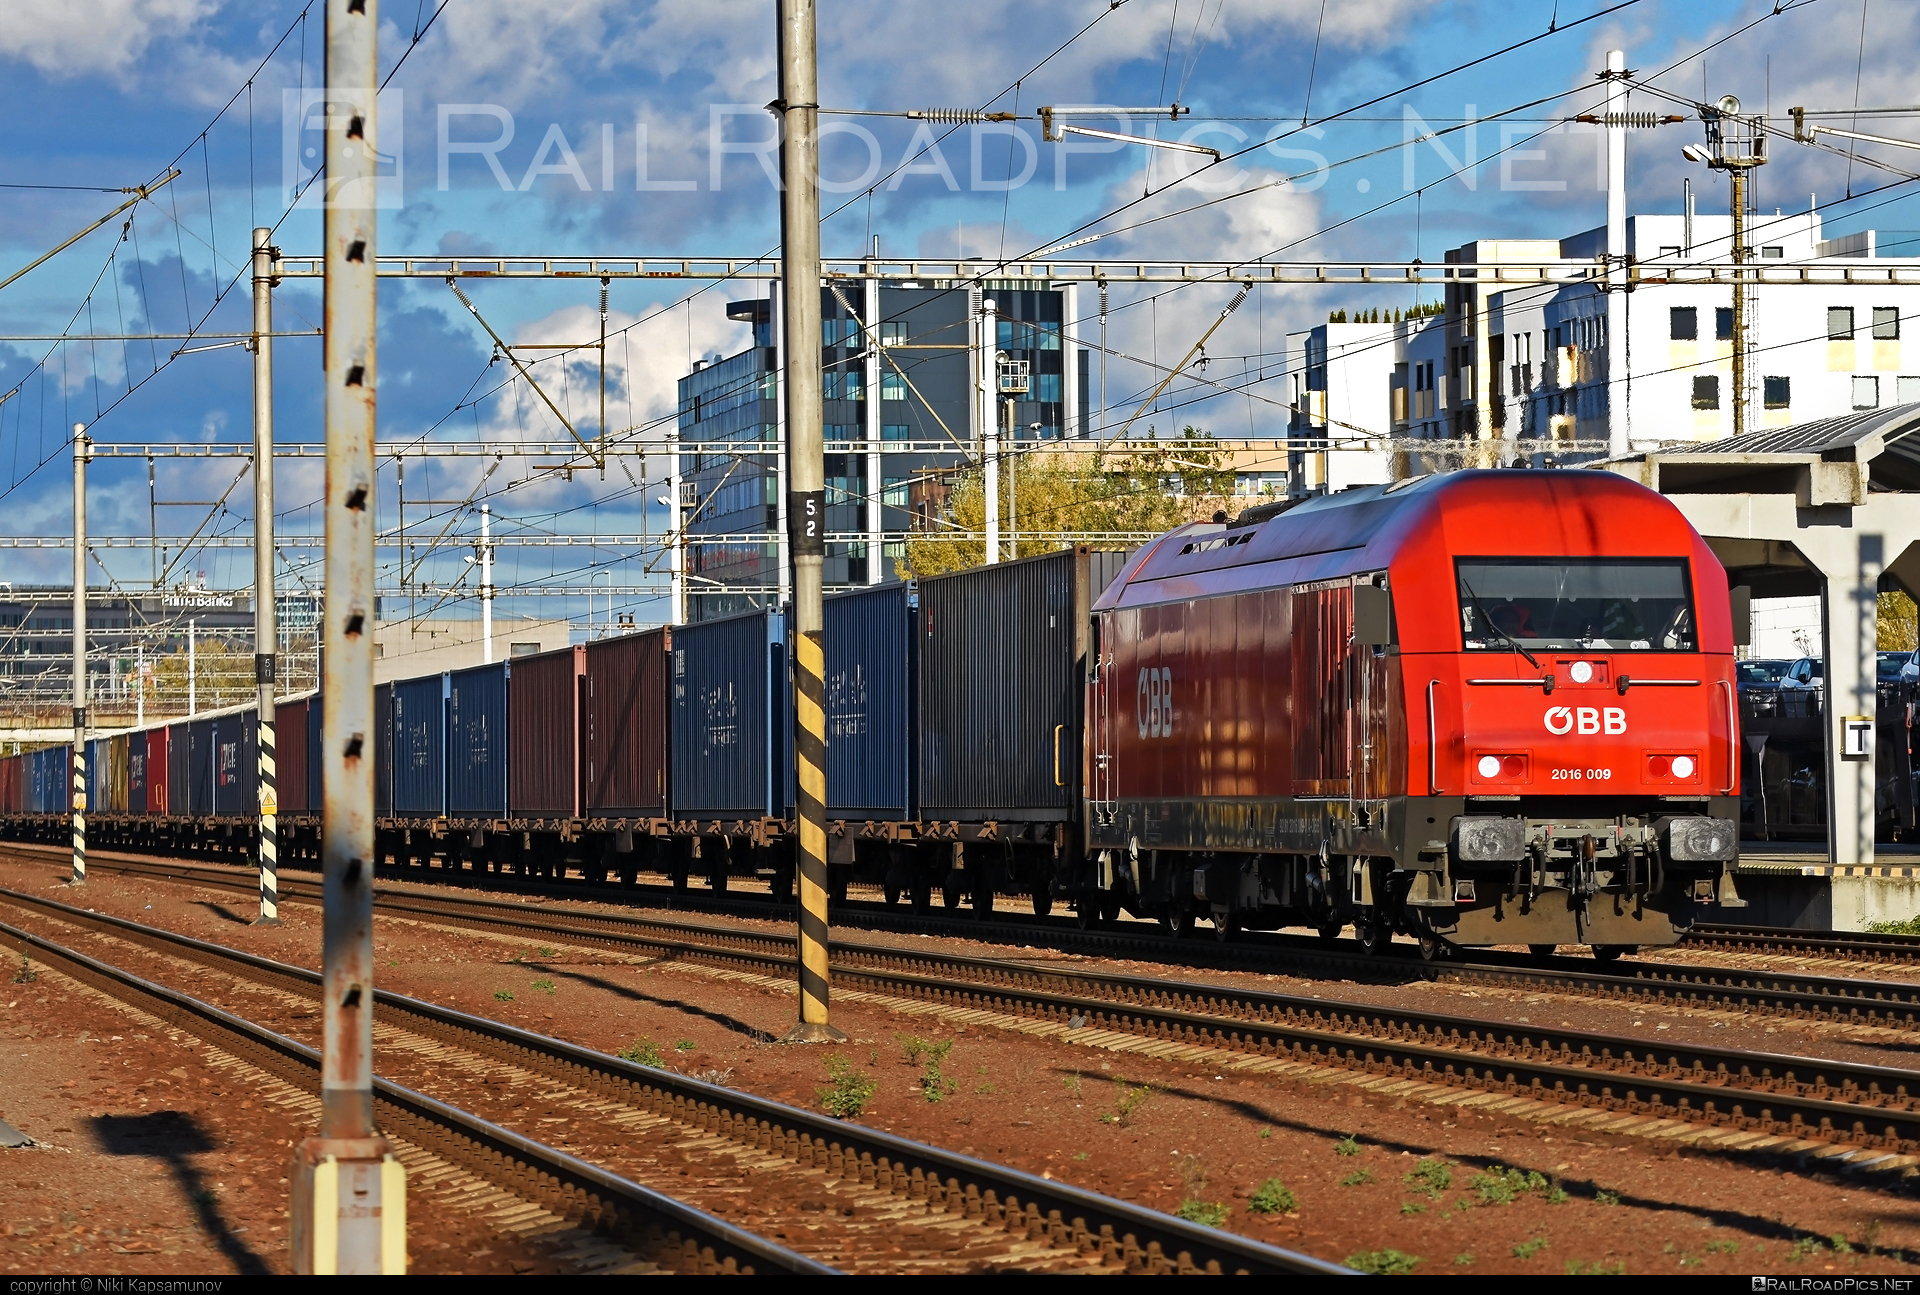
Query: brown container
{"points": [[623, 720], [290, 756], [543, 734]]}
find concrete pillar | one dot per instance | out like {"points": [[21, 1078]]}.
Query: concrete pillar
{"points": [[1850, 614]]}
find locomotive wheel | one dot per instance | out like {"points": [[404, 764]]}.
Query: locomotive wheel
{"points": [[1042, 901], [1375, 935]]}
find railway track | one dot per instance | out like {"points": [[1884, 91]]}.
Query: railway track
{"points": [[656, 1232], [1799, 996], [1766, 1100], [1849, 946], [863, 1199]]}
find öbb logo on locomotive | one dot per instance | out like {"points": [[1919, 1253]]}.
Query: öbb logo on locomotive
{"points": [[1562, 720], [1153, 701]]}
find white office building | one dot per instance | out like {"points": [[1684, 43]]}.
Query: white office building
{"points": [[1530, 372]]}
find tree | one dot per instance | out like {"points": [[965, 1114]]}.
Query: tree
{"points": [[1051, 492], [1899, 623]]}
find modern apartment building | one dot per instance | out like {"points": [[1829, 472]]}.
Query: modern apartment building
{"points": [[1531, 372]]}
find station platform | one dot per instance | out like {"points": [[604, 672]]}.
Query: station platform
{"points": [[1794, 885]]}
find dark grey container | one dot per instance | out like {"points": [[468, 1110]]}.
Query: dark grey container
{"points": [[180, 769], [1003, 653], [872, 719], [477, 742], [236, 764], [200, 768], [382, 751], [728, 693], [420, 747]]}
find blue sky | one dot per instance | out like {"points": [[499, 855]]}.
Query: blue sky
{"points": [[112, 92]]}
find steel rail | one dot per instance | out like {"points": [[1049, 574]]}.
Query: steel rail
{"points": [[1856, 946], [1838, 999], [1133, 1235], [657, 1227], [1766, 1092]]}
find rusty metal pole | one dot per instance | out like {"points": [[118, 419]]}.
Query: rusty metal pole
{"points": [[82, 448], [349, 1195], [806, 497], [266, 631]]}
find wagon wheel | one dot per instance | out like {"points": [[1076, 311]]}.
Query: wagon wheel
{"points": [[1541, 952], [1177, 921], [1042, 900], [782, 887], [922, 894], [1433, 948], [1611, 952], [1376, 937], [891, 889], [1224, 926]]}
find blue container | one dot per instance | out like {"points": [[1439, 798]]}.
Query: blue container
{"points": [[872, 710], [315, 751], [726, 718], [236, 764], [136, 773], [383, 751], [200, 768], [420, 747], [51, 778], [477, 742], [96, 752]]}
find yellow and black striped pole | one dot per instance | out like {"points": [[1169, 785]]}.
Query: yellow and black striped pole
{"points": [[266, 624], [806, 499]]}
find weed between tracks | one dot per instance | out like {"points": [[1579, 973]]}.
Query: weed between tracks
{"points": [[1273, 1197], [934, 1085], [1193, 1207], [1385, 1263], [26, 975], [644, 1052], [848, 1091], [1131, 1098]]}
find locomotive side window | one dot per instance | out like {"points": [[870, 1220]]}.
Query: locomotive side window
{"points": [[1553, 604]]}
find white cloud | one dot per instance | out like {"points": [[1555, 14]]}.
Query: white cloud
{"points": [[74, 37]]}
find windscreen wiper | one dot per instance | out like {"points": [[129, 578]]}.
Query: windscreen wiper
{"points": [[1511, 641]]}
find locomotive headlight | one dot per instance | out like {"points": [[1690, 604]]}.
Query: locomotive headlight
{"points": [[1489, 766], [1701, 840], [1581, 672], [1683, 766]]}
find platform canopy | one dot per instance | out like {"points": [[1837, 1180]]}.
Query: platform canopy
{"points": [[1828, 508]]}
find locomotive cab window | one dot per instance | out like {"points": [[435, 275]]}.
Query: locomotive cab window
{"points": [[1556, 604]]}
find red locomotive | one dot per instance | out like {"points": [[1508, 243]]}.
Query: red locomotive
{"points": [[1492, 707]]}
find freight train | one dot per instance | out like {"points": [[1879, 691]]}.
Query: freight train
{"points": [[1487, 707]]}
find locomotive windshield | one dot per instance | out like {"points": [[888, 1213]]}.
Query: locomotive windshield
{"points": [[1594, 604]]}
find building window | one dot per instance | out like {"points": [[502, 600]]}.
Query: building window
{"points": [[1723, 323], [893, 386], [1839, 323], [1670, 251], [1886, 323], [1706, 393], [1683, 323], [1778, 392], [522, 649], [1908, 390], [1774, 253], [896, 432], [830, 384], [893, 332], [1046, 388], [854, 384], [1866, 391]]}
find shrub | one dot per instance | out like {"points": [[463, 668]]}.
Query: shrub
{"points": [[1347, 1146], [685, 1045], [848, 1091], [1501, 1186], [644, 1052], [1529, 1248], [1359, 1178], [1205, 1213], [1384, 1263], [1273, 1197], [504, 995], [1430, 1177], [544, 986]]}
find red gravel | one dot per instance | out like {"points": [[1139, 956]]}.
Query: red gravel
{"points": [[1054, 1108]]}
